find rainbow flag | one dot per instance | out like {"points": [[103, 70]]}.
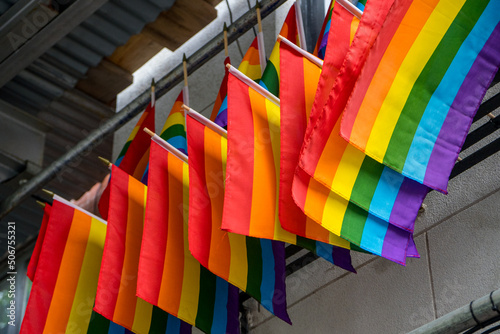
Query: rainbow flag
{"points": [[256, 266], [361, 4], [320, 203], [271, 76], [219, 111], [134, 156], [35, 256], [169, 276], [116, 296], [174, 129], [65, 271], [253, 174], [421, 85], [250, 64], [320, 48], [340, 166]]}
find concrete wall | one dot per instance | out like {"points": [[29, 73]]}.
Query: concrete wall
{"points": [[458, 235]]}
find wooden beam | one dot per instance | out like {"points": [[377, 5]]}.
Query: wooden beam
{"points": [[59, 27]]}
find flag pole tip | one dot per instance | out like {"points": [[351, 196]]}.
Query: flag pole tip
{"points": [[185, 107], [48, 192], [153, 83], [257, 5], [280, 38], [105, 161], [225, 26], [149, 132], [228, 66], [42, 204], [184, 59]]}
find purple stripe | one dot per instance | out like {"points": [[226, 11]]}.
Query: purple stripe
{"points": [[279, 296], [412, 248], [233, 325], [185, 328], [221, 118], [458, 121], [342, 258], [393, 248], [408, 201]]}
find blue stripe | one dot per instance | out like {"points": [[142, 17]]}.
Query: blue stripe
{"points": [[437, 109], [386, 193], [173, 325], [223, 106], [374, 235], [360, 6], [178, 142], [325, 251], [219, 324], [268, 275], [115, 329], [119, 160]]}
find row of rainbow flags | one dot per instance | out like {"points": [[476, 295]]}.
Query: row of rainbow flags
{"points": [[332, 151]]}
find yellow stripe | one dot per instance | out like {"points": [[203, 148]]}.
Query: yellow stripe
{"points": [[238, 269], [275, 57], [173, 119], [142, 318], [416, 59], [188, 308], [354, 27], [347, 171], [83, 302], [251, 71], [333, 213]]}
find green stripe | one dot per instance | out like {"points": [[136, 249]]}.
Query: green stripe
{"points": [[159, 320], [254, 258], [173, 131], [428, 81], [98, 324], [366, 182], [354, 223], [124, 149], [206, 303], [270, 76], [306, 243]]}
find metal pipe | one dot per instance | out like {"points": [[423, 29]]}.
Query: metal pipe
{"points": [[462, 319], [202, 56]]}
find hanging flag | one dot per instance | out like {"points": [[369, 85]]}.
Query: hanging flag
{"points": [[421, 85], [320, 48], [169, 276], [219, 111], [174, 130], [116, 296], [35, 256], [271, 77], [66, 268], [253, 171], [330, 209], [250, 64], [256, 266], [134, 156]]}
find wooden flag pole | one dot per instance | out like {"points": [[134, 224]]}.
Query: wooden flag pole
{"points": [[205, 121], [48, 192], [166, 145], [184, 67], [153, 95], [268, 95], [42, 204], [226, 49], [312, 58], [260, 40], [106, 162]]}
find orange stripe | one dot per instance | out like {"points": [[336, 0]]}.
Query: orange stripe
{"points": [[126, 302], [219, 259], [311, 75], [332, 154], [171, 285], [264, 194], [141, 166], [354, 27], [69, 273], [403, 39]]}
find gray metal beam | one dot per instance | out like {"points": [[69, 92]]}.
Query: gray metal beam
{"points": [[462, 319], [81, 150], [59, 27]]}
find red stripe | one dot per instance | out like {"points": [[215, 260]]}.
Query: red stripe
{"points": [[222, 91], [200, 212], [114, 246], [35, 256], [48, 268], [238, 199], [155, 235], [293, 125]]}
